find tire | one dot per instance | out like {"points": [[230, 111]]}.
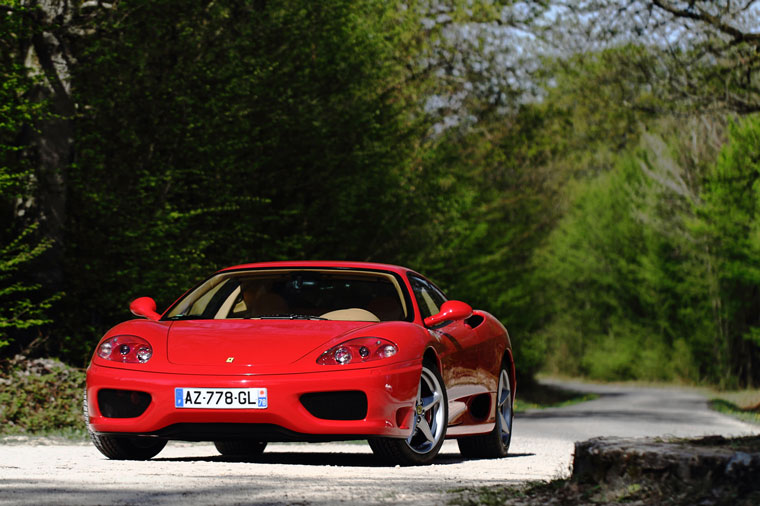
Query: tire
{"points": [[428, 428], [495, 444], [242, 447], [122, 447], [128, 448]]}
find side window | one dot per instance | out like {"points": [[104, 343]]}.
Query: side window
{"points": [[429, 298], [438, 297]]}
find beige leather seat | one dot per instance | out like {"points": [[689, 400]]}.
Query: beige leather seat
{"points": [[353, 314]]}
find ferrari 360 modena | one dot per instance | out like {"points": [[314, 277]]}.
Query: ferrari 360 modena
{"points": [[305, 351]]}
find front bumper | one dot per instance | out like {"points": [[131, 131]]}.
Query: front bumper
{"points": [[390, 390]]}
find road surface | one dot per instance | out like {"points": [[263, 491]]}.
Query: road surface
{"points": [[40, 471]]}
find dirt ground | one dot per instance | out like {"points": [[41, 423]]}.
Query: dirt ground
{"points": [[43, 471]]}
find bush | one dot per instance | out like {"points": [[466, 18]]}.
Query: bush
{"points": [[41, 396]]}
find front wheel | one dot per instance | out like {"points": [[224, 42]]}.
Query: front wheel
{"points": [[120, 447], [495, 444], [429, 422], [127, 448]]}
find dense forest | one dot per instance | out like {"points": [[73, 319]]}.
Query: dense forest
{"points": [[588, 171]]}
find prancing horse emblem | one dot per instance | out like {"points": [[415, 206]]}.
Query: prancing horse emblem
{"points": [[230, 360]]}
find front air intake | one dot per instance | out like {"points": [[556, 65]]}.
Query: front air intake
{"points": [[344, 405], [122, 403]]}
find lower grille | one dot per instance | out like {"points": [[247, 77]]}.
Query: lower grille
{"points": [[344, 405], [122, 403]]}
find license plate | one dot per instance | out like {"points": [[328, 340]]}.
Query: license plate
{"points": [[221, 398]]}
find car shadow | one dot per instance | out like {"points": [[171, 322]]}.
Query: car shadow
{"points": [[318, 459]]}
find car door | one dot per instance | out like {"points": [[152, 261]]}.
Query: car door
{"points": [[460, 343]]}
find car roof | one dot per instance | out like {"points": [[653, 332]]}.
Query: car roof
{"points": [[321, 264]]}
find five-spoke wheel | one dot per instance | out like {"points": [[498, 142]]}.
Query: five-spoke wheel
{"points": [[428, 426]]}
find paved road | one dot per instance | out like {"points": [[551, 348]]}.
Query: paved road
{"points": [[44, 472]]}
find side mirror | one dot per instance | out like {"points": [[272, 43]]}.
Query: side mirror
{"points": [[450, 310], [145, 307]]}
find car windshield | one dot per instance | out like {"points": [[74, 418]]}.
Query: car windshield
{"points": [[295, 294]]}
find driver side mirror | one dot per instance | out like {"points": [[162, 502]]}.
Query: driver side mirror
{"points": [[450, 310], [145, 307]]}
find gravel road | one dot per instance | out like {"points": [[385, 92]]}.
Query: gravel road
{"points": [[41, 471]]}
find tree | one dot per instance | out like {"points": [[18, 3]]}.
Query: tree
{"points": [[23, 306], [36, 40], [231, 133], [706, 52], [730, 229]]}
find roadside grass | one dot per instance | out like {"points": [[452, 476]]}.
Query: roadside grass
{"points": [[535, 395], [51, 437], [741, 404], [749, 414], [41, 397]]}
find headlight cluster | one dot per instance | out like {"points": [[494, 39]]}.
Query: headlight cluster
{"points": [[359, 350], [127, 349]]}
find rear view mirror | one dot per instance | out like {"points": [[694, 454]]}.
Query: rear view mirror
{"points": [[450, 310], [145, 307]]}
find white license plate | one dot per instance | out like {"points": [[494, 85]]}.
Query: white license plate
{"points": [[221, 398]]}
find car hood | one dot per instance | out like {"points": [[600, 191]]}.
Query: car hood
{"points": [[251, 342]]}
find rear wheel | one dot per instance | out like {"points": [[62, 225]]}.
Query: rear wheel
{"points": [[240, 447], [495, 444], [428, 424]]}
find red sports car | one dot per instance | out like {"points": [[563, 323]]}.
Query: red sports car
{"points": [[305, 351]]}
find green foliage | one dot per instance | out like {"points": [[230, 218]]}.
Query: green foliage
{"points": [[499, 209], [650, 271], [654, 279], [595, 218], [535, 395], [212, 134], [41, 396], [20, 306], [591, 267], [24, 307], [730, 230], [17, 110], [216, 134]]}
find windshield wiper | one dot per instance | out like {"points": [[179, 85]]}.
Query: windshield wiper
{"points": [[290, 317]]}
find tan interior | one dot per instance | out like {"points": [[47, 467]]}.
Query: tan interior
{"points": [[353, 314]]}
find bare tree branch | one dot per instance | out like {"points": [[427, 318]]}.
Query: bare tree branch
{"points": [[695, 13]]}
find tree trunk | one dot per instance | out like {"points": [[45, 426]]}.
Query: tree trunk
{"points": [[50, 141]]}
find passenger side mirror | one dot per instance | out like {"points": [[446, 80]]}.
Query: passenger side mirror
{"points": [[145, 307], [450, 310]]}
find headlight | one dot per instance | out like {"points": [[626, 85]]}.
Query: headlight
{"points": [[359, 350], [127, 349]]}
